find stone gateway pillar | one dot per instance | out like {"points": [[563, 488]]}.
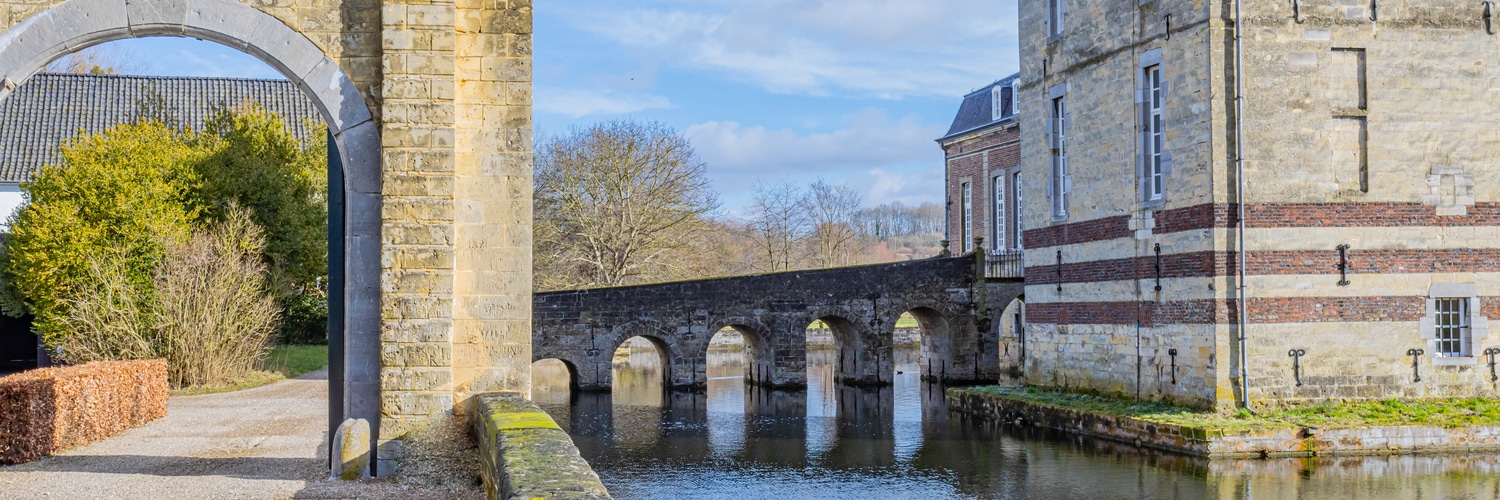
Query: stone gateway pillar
{"points": [[456, 146], [429, 105]]}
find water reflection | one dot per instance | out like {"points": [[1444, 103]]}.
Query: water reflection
{"points": [[836, 441]]}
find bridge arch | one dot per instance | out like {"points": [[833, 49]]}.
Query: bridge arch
{"points": [[61, 27], [760, 349], [860, 355], [937, 342], [678, 363]]}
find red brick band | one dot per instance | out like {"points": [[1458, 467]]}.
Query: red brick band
{"points": [[1279, 215], [1262, 311], [1267, 263], [1268, 215]]}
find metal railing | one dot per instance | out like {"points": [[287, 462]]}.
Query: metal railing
{"points": [[1005, 264]]}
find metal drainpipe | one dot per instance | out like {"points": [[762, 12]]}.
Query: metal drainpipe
{"points": [[1239, 167]]}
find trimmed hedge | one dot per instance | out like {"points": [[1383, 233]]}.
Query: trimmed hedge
{"points": [[43, 412]]}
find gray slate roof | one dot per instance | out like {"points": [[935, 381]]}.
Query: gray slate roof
{"points": [[977, 109], [50, 109]]}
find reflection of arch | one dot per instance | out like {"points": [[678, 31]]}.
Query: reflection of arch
{"points": [[354, 357]]}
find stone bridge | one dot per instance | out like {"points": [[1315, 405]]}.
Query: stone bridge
{"points": [[948, 296]]}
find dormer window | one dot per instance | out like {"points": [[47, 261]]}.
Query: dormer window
{"points": [[1002, 102], [997, 103]]}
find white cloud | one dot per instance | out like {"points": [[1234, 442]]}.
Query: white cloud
{"points": [[872, 48], [909, 188], [886, 159], [579, 103]]}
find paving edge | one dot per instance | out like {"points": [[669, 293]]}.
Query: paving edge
{"points": [[1229, 443], [526, 455]]}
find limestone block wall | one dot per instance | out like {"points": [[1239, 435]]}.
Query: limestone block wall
{"points": [[1379, 136], [457, 240], [1368, 186], [1118, 285]]}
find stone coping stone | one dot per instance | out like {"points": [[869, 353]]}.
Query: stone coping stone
{"points": [[1278, 441], [526, 455]]}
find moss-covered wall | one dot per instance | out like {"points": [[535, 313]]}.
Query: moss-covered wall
{"points": [[526, 455]]}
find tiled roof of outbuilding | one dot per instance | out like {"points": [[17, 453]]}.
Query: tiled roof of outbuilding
{"points": [[50, 109], [977, 109]]}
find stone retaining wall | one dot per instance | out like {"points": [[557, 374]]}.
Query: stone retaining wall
{"points": [[1229, 443], [526, 455]]}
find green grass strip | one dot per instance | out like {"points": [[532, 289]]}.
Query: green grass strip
{"points": [[1451, 413]]}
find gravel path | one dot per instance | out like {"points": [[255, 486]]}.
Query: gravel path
{"points": [[267, 442]]}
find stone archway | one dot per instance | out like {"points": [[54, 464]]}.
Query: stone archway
{"points": [[429, 107]]}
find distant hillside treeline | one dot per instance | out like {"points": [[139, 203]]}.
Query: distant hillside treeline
{"points": [[623, 203]]}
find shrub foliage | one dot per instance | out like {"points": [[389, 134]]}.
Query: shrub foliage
{"points": [[145, 241], [115, 198]]}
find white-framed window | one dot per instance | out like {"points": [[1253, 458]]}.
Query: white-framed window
{"points": [[1056, 11], [1015, 188], [1061, 181], [1155, 139], [1453, 322], [1451, 326], [997, 199], [997, 103], [966, 217]]}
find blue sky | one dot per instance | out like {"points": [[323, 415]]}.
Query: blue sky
{"points": [[851, 91]]}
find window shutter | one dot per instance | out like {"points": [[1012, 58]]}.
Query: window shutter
{"points": [[1143, 141], [1052, 187], [1051, 136], [1062, 12], [1047, 21]]}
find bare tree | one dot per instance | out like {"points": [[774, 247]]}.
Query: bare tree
{"points": [[832, 208], [96, 60], [777, 218], [617, 203]]}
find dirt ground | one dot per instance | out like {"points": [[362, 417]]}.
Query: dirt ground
{"points": [[267, 442]]}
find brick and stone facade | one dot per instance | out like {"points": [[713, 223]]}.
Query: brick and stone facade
{"points": [[429, 104], [1366, 153], [982, 155]]}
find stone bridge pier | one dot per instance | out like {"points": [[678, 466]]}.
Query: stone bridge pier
{"points": [[861, 306]]}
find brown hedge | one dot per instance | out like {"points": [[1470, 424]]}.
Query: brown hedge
{"points": [[46, 411]]}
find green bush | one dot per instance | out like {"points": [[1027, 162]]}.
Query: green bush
{"points": [[114, 198], [257, 164]]}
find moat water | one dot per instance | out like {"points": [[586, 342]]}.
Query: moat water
{"points": [[832, 441]]}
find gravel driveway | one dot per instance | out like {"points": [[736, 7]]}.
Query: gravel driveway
{"points": [[267, 442]]}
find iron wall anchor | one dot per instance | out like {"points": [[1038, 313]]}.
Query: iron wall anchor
{"points": [[1297, 355], [1173, 354], [1416, 374], [1491, 352]]}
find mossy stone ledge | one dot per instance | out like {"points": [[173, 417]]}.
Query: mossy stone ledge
{"points": [[526, 455]]}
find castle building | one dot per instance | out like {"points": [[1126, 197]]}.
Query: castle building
{"points": [[1358, 140], [982, 156]]}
